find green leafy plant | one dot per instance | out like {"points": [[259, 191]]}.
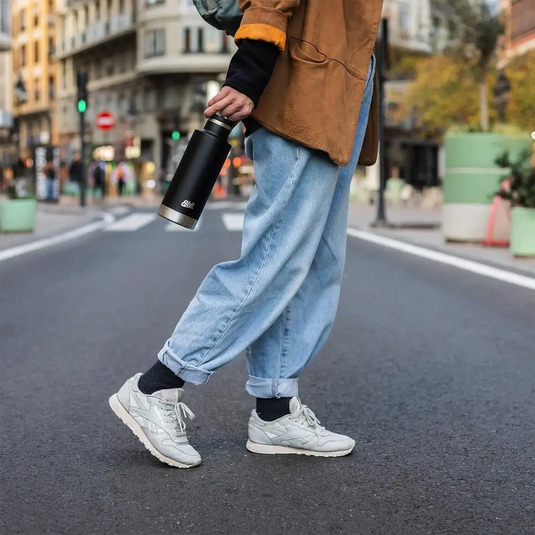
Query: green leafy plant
{"points": [[521, 191], [14, 193]]}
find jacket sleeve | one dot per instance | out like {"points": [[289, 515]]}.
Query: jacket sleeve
{"points": [[266, 20]]}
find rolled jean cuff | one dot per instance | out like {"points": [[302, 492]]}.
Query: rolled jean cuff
{"points": [[260, 387], [186, 371]]}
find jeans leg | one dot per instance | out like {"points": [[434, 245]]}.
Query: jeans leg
{"points": [[298, 334], [240, 300]]}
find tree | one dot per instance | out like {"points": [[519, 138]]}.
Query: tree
{"points": [[444, 93], [474, 28], [521, 74]]}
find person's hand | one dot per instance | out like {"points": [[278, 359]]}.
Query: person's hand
{"points": [[230, 103]]}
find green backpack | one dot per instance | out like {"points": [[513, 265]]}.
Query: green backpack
{"points": [[221, 14]]}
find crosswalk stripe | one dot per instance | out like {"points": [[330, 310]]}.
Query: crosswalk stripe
{"points": [[233, 222], [173, 227], [225, 205], [131, 223], [120, 210]]}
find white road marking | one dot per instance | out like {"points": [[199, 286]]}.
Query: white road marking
{"points": [[444, 258], [120, 210], [173, 227], [131, 223], [48, 242], [233, 222], [226, 205]]}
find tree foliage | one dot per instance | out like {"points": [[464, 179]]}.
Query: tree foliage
{"points": [[521, 191]]}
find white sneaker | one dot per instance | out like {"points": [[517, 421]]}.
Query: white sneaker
{"points": [[158, 421], [298, 432]]}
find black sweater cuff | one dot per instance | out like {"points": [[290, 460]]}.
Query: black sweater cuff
{"points": [[251, 68]]}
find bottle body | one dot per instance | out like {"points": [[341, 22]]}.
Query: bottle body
{"points": [[196, 174]]}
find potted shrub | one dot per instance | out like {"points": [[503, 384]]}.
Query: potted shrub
{"points": [[521, 196], [17, 213]]}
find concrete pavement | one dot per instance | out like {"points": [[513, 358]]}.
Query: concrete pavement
{"points": [[430, 368]]}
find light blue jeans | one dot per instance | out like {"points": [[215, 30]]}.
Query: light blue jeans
{"points": [[278, 301]]}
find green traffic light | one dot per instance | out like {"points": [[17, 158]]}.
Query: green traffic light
{"points": [[82, 106], [175, 135]]}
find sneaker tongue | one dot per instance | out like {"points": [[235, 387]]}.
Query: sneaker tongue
{"points": [[295, 405], [171, 395]]}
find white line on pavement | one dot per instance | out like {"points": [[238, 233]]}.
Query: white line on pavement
{"points": [[120, 210], [443, 258], [173, 227], [131, 223], [48, 242], [225, 205], [233, 222]]}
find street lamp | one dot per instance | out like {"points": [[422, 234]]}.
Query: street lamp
{"points": [[502, 93]]}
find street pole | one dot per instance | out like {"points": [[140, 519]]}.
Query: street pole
{"points": [[381, 51], [81, 83], [82, 159]]}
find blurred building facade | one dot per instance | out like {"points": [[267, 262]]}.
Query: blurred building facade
{"points": [[520, 27], [34, 72], [148, 63], [6, 115]]}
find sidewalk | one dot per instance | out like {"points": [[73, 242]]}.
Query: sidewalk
{"points": [[429, 234], [51, 220], [99, 204]]}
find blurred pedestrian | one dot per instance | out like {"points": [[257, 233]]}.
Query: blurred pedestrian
{"points": [[99, 178], [120, 180], [75, 171], [50, 180], [302, 77]]}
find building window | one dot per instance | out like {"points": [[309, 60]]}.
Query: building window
{"points": [[151, 99], [123, 60], [224, 43], [121, 7], [154, 43], [110, 69], [22, 20], [404, 19], [23, 56], [187, 40], [36, 15], [36, 52], [51, 94], [37, 92], [200, 40], [50, 46], [63, 74]]}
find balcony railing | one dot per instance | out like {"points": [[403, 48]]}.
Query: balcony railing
{"points": [[98, 32]]}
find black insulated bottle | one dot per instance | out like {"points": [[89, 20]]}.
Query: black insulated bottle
{"points": [[197, 173]]}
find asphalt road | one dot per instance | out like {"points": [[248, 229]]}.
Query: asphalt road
{"points": [[431, 369]]}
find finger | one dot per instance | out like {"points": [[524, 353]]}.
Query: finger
{"points": [[231, 109], [220, 96], [218, 106]]}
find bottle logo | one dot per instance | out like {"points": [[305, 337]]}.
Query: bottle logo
{"points": [[188, 204]]}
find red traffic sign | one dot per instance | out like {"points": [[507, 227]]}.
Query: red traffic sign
{"points": [[105, 120]]}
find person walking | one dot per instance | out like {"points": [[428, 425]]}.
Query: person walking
{"points": [[75, 172], [50, 180], [302, 81], [99, 178]]}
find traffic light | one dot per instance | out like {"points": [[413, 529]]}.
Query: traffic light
{"points": [[175, 135], [81, 82]]}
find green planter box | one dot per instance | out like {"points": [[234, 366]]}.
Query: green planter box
{"points": [[18, 215], [523, 232], [472, 179]]}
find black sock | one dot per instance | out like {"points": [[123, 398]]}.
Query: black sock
{"points": [[272, 408], [159, 377]]}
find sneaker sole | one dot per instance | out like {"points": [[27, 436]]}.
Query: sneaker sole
{"points": [[286, 450], [123, 415]]}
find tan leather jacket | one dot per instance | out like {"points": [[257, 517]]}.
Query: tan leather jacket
{"points": [[316, 89]]}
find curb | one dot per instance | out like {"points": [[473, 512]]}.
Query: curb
{"points": [[19, 250]]}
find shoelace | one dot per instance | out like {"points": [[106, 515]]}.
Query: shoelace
{"points": [[304, 414], [179, 410]]}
